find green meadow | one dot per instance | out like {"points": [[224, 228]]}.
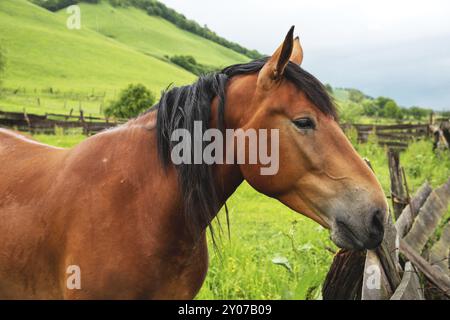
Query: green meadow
{"points": [[276, 253]]}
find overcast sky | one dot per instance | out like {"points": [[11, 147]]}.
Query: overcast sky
{"points": [[394, 48]]}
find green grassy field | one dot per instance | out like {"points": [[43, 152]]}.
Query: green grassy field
{"points": [[275, 253], [53, 69], [153, 35]]}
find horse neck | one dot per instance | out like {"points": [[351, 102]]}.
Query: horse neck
{"points": [[227, 177]]}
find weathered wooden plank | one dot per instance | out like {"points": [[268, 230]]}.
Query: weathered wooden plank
{"points": [[390, 127], [388, 253], [398, 192], [49, 120], [438, 278], [393, 134], [440, 252], [381, 270], [401, 134], [395, 137], [406, 219], [12, 123], [12, 115], [65, 116], [409, 288], [444, 190], [49, 125], [428, 218], [394, 144], [375, 285], [344, 279], [20, 116]]}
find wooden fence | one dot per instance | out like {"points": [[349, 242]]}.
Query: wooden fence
{"points": [[411, 263], [48, 123], [394, 136]]}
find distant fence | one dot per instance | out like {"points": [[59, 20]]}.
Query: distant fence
{"points": [[47, 124], [394, 136]]}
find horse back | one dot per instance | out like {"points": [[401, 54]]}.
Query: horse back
{"points": [[24, 160]]}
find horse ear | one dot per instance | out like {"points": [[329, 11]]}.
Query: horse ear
{"points": [[297, 52], [273, 69]]}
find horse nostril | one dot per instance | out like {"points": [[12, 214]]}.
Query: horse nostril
{"points": [[377, 225]]}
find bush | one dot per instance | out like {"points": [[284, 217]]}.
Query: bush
{"points": [[370, 108], [392, 110], [383, 107], [55, 5], [190, 64], [445, 114], [418, 113], [119, 3], [350, 112], [135, 99]]}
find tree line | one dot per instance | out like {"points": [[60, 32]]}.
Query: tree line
{"points": [[190, 64], [156, 8], [359, 104], [55, 5]]}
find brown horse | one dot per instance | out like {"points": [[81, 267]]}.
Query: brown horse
{"points": [[133, 223]]}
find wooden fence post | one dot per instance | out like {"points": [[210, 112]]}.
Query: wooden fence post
{"points": [[345, 277], [398, 193], [27, 119], [83, 123]]}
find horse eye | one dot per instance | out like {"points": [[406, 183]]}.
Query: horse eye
{"points": [[304, 123]]}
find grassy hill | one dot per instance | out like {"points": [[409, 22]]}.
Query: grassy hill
{"points": [[53, 69], [153, 35]]}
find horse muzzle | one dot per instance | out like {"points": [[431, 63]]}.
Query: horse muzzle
{"points": [[357, 233]]}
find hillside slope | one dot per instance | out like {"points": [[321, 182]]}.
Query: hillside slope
{"points": [[53, 69], [42, 52], [153, 35]]}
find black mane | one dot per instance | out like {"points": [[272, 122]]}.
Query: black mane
{"points": [[179, 107]]}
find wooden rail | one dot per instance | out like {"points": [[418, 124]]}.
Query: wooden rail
{"points": [[395, 136], [48, 123]]}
